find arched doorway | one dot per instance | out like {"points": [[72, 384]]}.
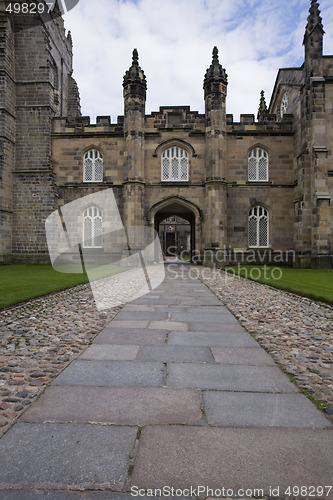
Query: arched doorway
{"points": [[177, 222], [175, 236]]}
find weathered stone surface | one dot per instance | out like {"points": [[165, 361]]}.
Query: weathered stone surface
{"points": [[108, 352], [128, 314], [242, 356], [169, 325], [131, 336], [184, 456], [229, 377], [212, 339], [117, 323], [172, 353], [111, 373], [76, 455], [237, 409], [117, 406]]}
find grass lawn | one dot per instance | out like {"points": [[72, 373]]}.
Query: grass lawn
{"points": [[314, 283], [23, 282]]}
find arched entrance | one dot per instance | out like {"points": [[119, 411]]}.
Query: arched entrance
{"points": [[177, 222]]}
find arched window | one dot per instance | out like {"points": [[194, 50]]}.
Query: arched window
{"points": [[258, 165], [93, 166], [258, 227], [174, 164], [92, 228]]}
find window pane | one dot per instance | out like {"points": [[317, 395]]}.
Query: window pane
{"points": [[99, 170], [87, 232], [263, 169], [253, 232], [165, 169], [184, 169], [97, 232], [88, 170], [263, 232], [252, 169], [174, 169]]}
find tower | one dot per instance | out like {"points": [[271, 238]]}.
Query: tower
{"points": [[36, 61], [315, 226], [215, 92], [135, 87]]}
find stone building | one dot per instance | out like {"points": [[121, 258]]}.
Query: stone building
{"points": [[254, 190]]}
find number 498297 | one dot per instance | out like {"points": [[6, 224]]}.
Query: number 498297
{"points": [[29, 8]]}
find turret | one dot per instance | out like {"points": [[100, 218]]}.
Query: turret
{"points": [[215, 85], [215, 92], [313, 40], [262, 106], [135, 86]]}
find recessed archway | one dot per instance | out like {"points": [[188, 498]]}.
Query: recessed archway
{"points": [[178, 235]]}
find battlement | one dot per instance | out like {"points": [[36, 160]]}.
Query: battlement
{"points": [[269, 123], [81, 124], [175, 117]]}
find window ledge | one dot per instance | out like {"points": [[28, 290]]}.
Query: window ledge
{"points": [[175, 182], [259, 182], [93, 249]]}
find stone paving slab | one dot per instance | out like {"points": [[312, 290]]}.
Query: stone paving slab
{"points": [[176, 301], [111, 373], [229, 377], [129, 315], [137, 308], [178, 353], [242, 339], [202, 301], [66, 455], [106, 352], [119, 406], [129, 323], [242, 356], [185, 456], [228, 326], [131, 336], [178, 326], [65, 495], [148, 300], [222, 318], [239, 409]]}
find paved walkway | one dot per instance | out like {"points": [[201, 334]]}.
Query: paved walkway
{"points": [[173, 393]]}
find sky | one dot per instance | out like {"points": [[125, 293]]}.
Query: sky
{"points": [[175, 39]]}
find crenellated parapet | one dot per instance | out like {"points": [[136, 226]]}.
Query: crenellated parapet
{"points": [[269, 124]]}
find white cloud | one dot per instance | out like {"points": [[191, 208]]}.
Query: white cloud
{"points": [[175, 39]]}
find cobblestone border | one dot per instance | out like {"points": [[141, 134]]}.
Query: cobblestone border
{"points": [[38, 339]]}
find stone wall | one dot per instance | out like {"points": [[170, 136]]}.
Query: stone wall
{"points": [[35, 66], [7, 133]]}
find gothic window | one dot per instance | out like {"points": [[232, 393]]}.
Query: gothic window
{"points": [[174, 164], [258, 165], [284, 104], [93, 166], [258, 227], [92, 228]]}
